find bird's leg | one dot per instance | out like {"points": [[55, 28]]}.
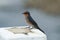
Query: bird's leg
{"points": [[32, 27], [28, 27]]}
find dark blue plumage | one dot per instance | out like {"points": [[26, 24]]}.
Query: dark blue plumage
{"points": [[34, 23], [30, 20]]}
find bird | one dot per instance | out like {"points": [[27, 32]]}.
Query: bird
{"points": [[30, 21]]}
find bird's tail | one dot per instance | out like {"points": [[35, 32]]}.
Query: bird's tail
{"points": [[39, 29]]}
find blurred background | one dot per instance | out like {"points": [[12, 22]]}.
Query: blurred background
{"points": [[45, 12]]}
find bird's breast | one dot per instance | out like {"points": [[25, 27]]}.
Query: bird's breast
{"points": [[27, 20]]}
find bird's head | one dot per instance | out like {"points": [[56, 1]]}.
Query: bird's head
{"points": [[26, 13]]}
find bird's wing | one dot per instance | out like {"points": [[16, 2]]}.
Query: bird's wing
{"points": [[34, 23]]}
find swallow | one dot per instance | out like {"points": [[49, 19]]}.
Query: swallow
{"points": [[30, 21]]}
